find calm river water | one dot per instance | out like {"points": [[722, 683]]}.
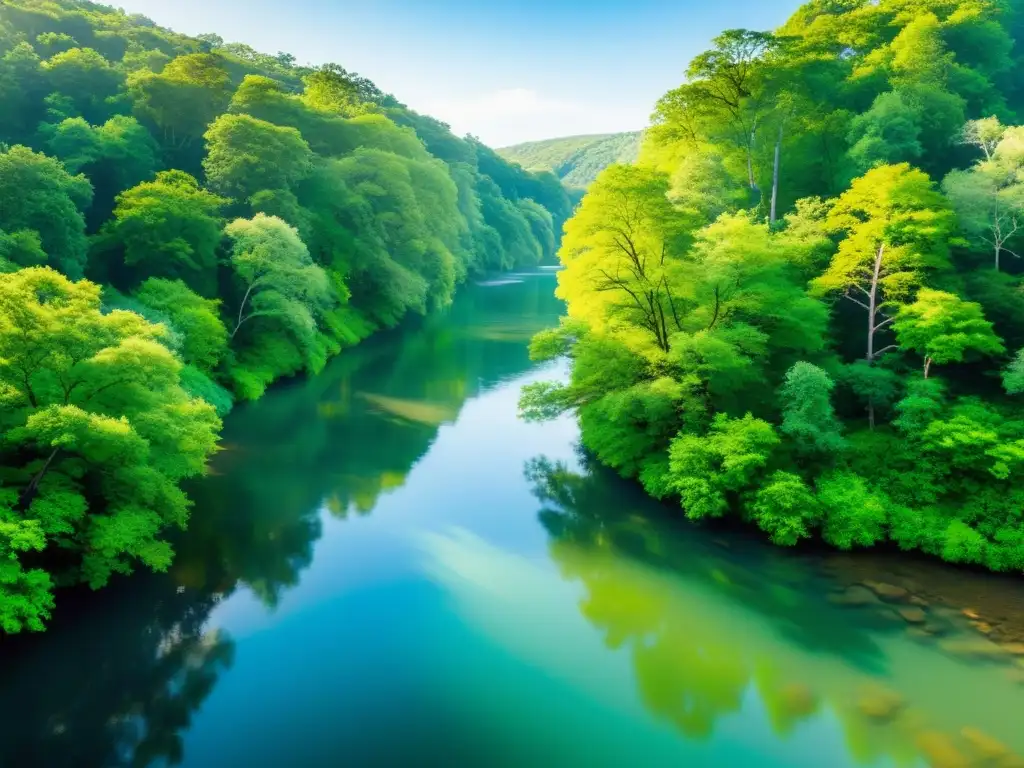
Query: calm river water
{"points": [[388, 569]]}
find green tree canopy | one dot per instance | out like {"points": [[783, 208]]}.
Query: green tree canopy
{"points": [[99, 432], [170, 227], [38, 194], [246, 155]]}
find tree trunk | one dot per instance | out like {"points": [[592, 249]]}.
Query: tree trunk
{"points": [[872, 312], [241, 309], [27, 495], [750, 156], [927, 366], [775, 177]]}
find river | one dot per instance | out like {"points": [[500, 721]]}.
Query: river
{"points": [[387, 568]]}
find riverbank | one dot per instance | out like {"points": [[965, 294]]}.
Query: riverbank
{"points": [[392, 567]]}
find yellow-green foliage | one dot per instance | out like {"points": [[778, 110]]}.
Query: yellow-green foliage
{"points": [[778, 315], [248, 219]]}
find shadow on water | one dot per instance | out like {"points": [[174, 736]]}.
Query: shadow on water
{"points": [[118, 675]]}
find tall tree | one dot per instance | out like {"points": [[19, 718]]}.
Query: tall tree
{"points": [[38, 194], [169, 227], [989, 197], [895, 228], [98, 429], [621, 252], [184, 98], [280, 280], [943, 328], [246, 155]]}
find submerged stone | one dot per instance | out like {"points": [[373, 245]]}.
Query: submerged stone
{"points": [[880, 703], [984, 744], [913, 615], [887, 591], [940, 751], [978, 648], [798, 699], [853, 596]]}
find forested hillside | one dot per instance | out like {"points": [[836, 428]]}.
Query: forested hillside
{"points": [[576, 160], [804, 306], [183, 221]]}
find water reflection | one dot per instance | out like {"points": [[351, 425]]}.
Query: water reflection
{"points": [[707, 627], [118, 676], [121, 691]]}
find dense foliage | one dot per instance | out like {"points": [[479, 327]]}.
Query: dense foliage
{"points": [[183, 221], [576, 160], [804, 305]]}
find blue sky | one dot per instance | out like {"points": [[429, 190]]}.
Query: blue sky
{"points": [[504, 70]]}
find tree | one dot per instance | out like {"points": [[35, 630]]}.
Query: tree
{"points": [[621, 253], [942, 328], [170, 227], [22, 88], [99, 432], [280, 279], [246, 155], [989, 198], [808, 418], [331, 89], [886, 133], [1013, 375], [203, 337], [854, 514], [184, 98], [785, 508], [708, 471], [83, 75], [38, 194], [896, 228], [726, 82], [114, 156]]}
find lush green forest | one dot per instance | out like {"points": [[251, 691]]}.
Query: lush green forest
{"points": [[182, 222], [576, 160], [803, 307]]}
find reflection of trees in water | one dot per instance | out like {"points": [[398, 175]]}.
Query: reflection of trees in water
{"points": [[698, 622], [117, 677], [596, 509], [691, 667], [108, 686], [342, 439]]}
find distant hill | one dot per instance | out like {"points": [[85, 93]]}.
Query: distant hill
{"points": [[576, 160]]}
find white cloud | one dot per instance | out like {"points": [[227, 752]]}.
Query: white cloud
{"points": [[511, 102], [513, 115]]}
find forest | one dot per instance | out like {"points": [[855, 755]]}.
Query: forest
{"points": [[803, 308], [576, 160], [184, 221]]}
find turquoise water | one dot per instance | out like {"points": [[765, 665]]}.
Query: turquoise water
{"points": [[387, 568]]}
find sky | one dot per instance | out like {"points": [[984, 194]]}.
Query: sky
{"points": [[506, 71]]}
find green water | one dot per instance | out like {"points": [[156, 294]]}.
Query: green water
{"points": [[388, 569]]}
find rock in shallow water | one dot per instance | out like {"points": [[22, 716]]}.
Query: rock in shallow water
{"points": [[887, 591], [880, 703], [913, 615]]}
